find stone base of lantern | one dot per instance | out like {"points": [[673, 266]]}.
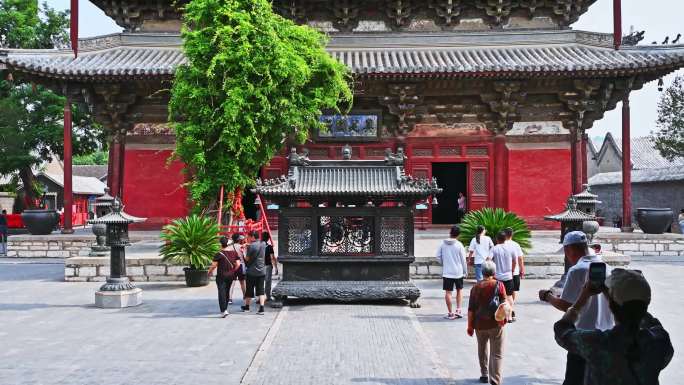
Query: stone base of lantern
{"points": [[348, 291], [118, 299]]}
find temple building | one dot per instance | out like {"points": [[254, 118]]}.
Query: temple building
{"points": [[492, 98]]}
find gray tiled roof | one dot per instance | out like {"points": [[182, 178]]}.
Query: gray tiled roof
{"points": [[94, 171], [349, 178], [131, 55], [646, 175], [79, 184], [644, 153]]}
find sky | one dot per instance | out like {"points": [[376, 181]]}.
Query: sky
{"points": [[659, 18]]}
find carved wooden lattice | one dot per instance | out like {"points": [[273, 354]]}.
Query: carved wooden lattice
{"points": [[479, 178], [299, 235], [393, 232], [375, 152], [345, 235], [476, 151], [449, 151], [422, 152]]}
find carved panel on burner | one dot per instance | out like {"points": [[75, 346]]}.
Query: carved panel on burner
{"points": [[393, 231], [299, 235], [345, 235]]}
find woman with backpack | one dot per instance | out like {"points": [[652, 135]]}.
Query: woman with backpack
{"points": [[227, 261], [485, 298]]}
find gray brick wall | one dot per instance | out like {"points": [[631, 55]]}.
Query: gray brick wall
{"points": [[656, 194]]}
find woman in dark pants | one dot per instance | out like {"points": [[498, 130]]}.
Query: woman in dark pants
{"points": [[228, 263]]}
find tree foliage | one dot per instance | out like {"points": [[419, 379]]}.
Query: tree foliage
{"points": [[94, 158], [253, 80], [31, 122], [494, 221], [669, 138]]}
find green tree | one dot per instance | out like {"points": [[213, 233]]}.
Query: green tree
{"points": [[253, 81], [669, 138], [97, 157], [31, 122]]}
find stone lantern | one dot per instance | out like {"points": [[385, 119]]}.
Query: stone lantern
{"points": [[572, 219], [119, 291], [103, 206], [587, 201]]}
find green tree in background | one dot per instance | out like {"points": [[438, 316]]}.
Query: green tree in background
{"points": [[31, 122], [253, 81], [95, 158], [669, 138]]}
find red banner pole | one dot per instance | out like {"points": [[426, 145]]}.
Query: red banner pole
{"points": [[73, 27], [220, 210], [264, 218]]}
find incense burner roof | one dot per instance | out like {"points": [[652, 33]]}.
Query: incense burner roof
{"points": [[351, 178], [500, 55]]}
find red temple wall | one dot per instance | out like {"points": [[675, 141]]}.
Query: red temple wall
{"points": [[538, 183], [153, 189]]}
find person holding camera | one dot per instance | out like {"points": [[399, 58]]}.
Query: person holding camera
{"points": [[635, 351], [595, 315]]}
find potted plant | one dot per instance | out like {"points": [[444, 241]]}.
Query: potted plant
{"points": [[191, 241], [495, 220]]}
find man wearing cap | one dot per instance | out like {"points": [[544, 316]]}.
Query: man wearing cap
{"points": [[595, 315], [635, 351]]}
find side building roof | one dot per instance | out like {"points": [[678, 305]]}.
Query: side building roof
{"points": [[644, 154], [509, 54]]}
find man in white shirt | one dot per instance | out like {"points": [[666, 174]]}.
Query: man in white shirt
{"points": [[595, 315], [505, 261], [451, 254], [519, 270]]}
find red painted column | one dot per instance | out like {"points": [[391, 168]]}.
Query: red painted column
{"points": [[585, 161], [68, 198], [500, 167], [576, 163], [626, 168], [617, 23], [122, 159], [115, 163]]}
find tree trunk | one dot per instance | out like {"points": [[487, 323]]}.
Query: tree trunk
{"points": [[28, 180]]}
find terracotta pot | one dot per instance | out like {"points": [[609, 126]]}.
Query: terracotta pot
{"points": [[654, 220], [40, 222]]}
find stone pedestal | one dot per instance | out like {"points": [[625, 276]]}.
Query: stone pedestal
{"points": [[118, 299]]}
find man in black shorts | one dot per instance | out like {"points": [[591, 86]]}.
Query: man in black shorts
{"points": [[256, 272], [451, 254]]}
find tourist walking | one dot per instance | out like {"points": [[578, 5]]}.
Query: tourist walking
{"points": [[519, 270], [227, 263], [270, 262], [505, 261], [462, 206], [451, 254], [680, 219], [482, 305], [238, 244], [480, 250], [635, 351], [595, 315], [3, 232], [256, 274]]}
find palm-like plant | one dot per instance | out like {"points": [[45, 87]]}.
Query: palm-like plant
{"points": [[495, 220], [190, 241]]}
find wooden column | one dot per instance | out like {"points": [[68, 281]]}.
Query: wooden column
{"points": [[122, 159], [68, 198], [617, 23], [585, 160], [115, 164], [626, 168], [500, 169], [576, 161]]}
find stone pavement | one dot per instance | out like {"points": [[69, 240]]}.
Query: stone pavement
{"points": [[51, 334]]}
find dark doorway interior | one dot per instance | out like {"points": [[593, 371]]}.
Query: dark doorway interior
{"points": [[452, 178], [248, 198]]}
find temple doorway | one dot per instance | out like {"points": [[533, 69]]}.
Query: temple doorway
{"points": [[452, 178]]}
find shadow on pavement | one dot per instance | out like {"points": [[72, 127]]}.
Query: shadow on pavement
{"points": [[35, 306]]}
